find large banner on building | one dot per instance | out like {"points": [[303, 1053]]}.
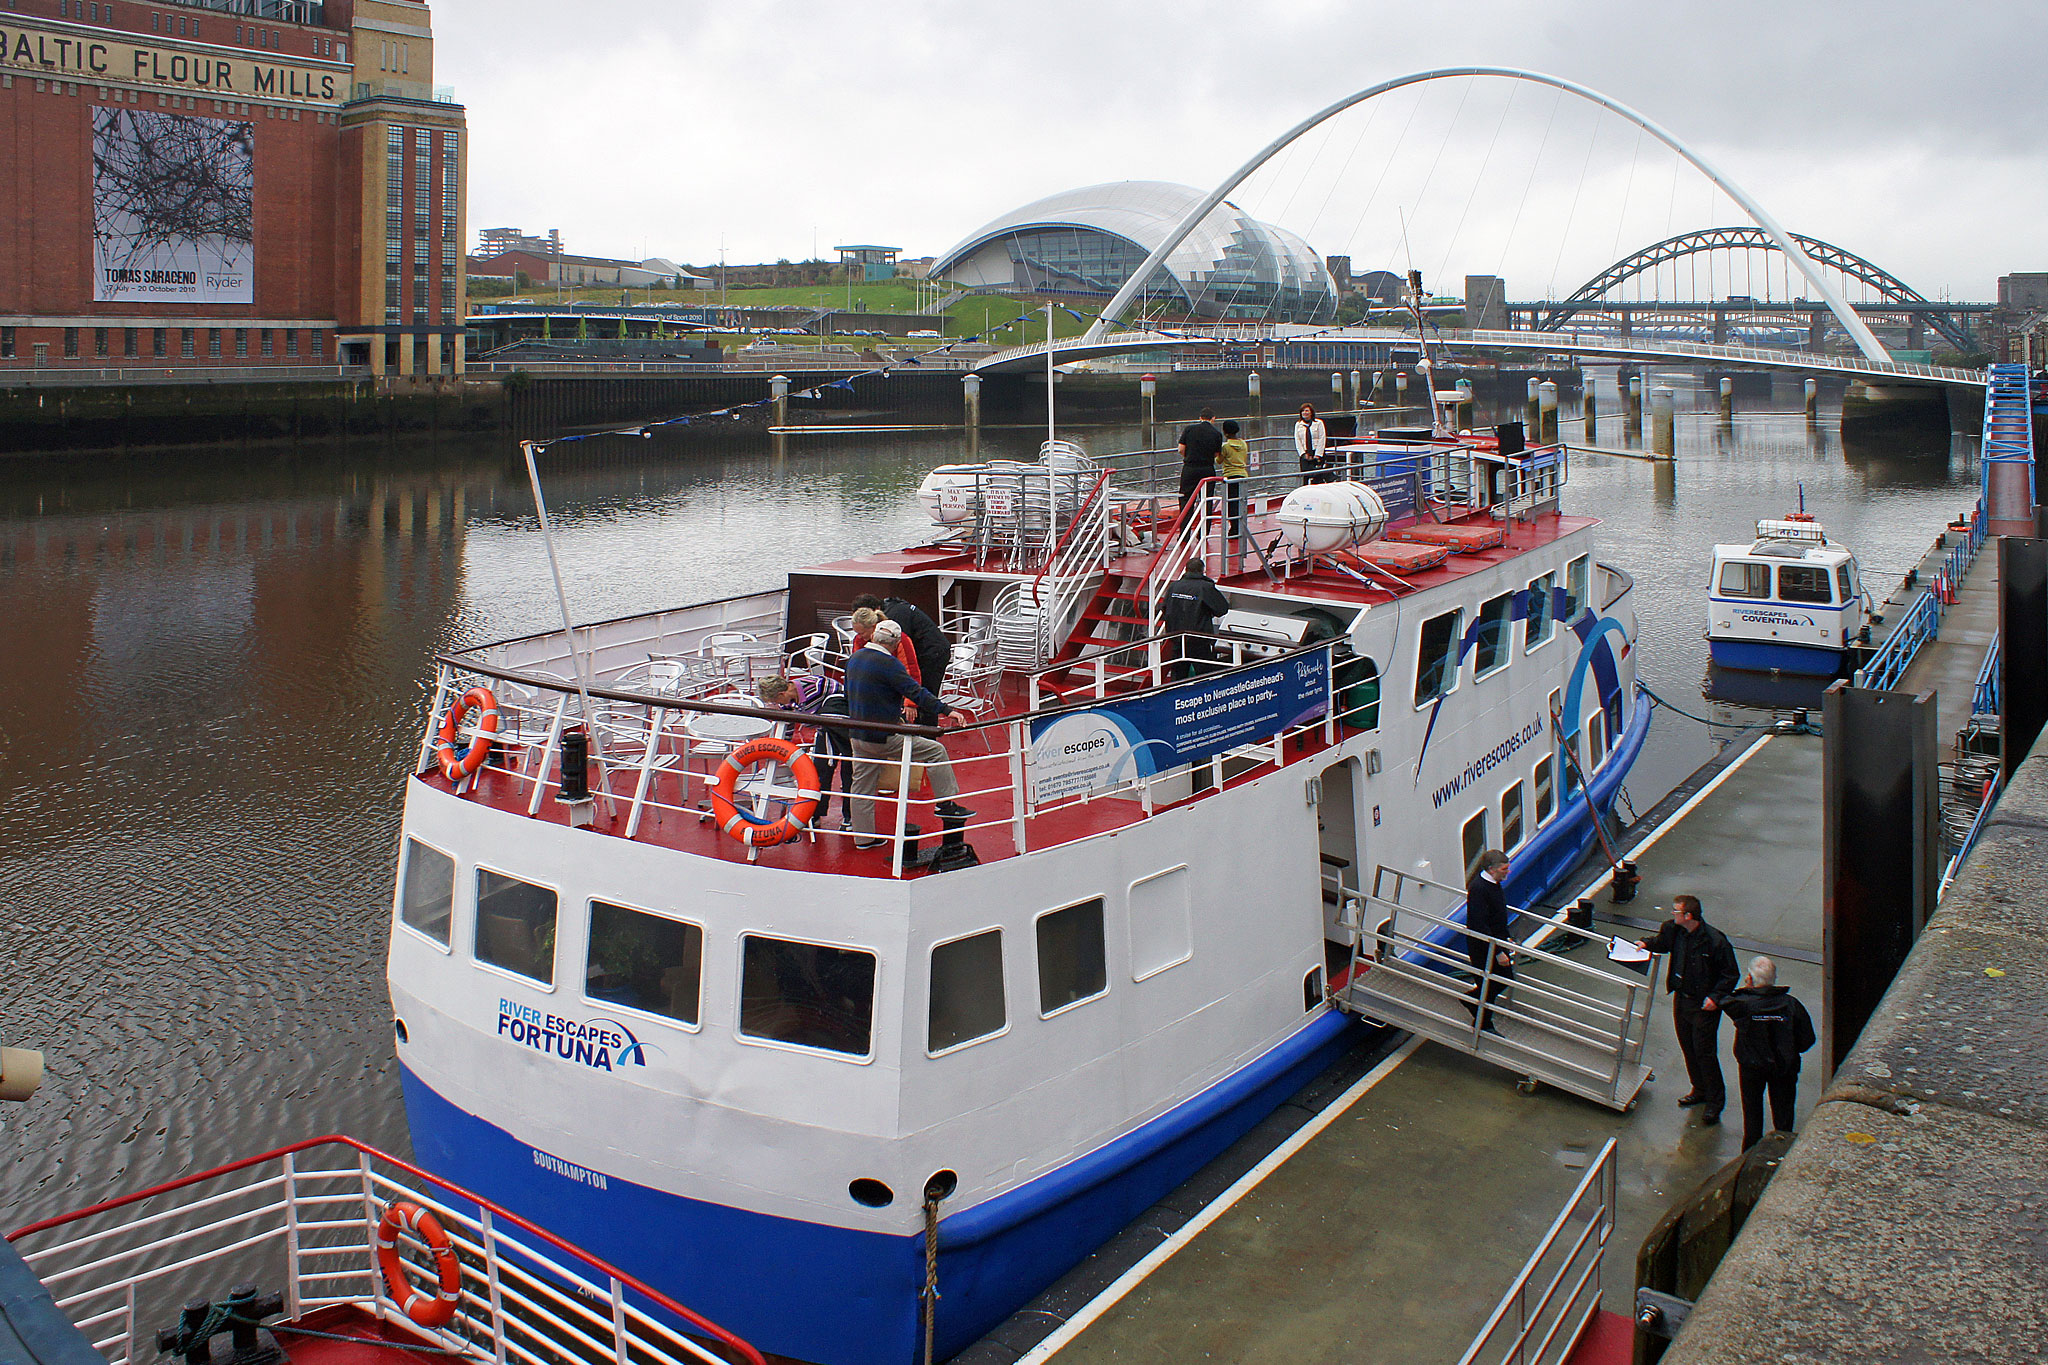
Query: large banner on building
{"points": [[173, 207], [1077, 752]]}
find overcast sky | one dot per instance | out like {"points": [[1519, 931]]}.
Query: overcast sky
{"points": [[1907, 133]]}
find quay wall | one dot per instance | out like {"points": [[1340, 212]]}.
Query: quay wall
{"points": [[1909, 1221], [125, 417]]}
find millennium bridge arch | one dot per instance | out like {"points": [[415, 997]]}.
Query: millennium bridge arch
{"points": [[1865, 339], [1823, 254]]}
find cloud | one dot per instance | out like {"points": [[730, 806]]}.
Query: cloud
{"points": [[785, 127]]}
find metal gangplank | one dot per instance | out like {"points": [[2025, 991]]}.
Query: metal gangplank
{"points": [[1579, 1026]]}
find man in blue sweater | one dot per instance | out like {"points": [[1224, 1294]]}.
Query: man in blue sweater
{"points": [[877, 685]]}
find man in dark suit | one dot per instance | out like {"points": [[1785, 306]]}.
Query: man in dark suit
{"points": [[1486, 912]]}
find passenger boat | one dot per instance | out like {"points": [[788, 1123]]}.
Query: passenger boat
{"points": [[1790, 601], [829, 1094]]}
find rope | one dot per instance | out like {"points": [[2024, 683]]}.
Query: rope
{"points": [[359, 1341], [1653, 696], [930, 1292]]}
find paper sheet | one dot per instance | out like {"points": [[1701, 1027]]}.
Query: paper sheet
{"points": [[1621, 950]]}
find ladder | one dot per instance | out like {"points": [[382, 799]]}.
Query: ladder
{"points": [[1579, 1026]]}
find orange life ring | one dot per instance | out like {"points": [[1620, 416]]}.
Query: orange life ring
{"points": [[438, 1309], [751, 829], [453, 768]]}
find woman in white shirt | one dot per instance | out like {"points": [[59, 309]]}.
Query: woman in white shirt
{"points": [[1312, 445]]}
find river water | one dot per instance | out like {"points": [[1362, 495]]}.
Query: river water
{"points": [[213, 690]]}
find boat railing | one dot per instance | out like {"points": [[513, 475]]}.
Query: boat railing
{"points": [[306, 1217], [1073, 567], [615, 645], [1985, 699], [1986, 802], [657, 755]]}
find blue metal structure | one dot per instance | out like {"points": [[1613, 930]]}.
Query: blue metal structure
{"points": [[1922, 621], [2008, 443]]}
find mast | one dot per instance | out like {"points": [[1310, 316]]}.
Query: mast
{"points": [[1439, 425]]}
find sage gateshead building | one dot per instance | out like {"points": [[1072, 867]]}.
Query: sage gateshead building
{"points": [[1087, 242]]}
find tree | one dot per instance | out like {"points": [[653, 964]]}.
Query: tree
{"points": [[522, 281]]}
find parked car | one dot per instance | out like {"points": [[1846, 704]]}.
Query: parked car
{"points": [[924, 334]]}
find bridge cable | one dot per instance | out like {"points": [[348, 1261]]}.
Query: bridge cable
{"points": [[1564, 237], [1477, 180], [1501, 265]]}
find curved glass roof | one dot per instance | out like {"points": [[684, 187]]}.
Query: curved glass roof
{"points": [[1230, 257]]}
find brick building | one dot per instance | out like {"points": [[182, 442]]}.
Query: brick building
{"points": [[213, 183]]}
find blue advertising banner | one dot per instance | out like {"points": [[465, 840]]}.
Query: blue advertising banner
{"points": [[1075, 753]]}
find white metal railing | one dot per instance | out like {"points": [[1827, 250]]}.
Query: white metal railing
{"points": [[305, 1217], [661, 751], [1541, 1317]]}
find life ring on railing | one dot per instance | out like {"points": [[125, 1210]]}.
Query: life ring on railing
{"points": [[751, 829], [437, 1309], [453, 768]]}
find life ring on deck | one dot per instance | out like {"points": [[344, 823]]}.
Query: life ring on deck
{"points": [[437, 1309], [751, 829], [453, 768]]}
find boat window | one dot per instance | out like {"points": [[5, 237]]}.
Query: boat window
{"points": [[808, 994], [1475, 844], [1435, 670], [1072, 963], [967, 991], [1803, 583], [643, 961], [1511, 818], [1571, 763], [1159, 923], [1745, 580], [515, 925], [1846, 581], [1596, 737], [1495, 645], [1578, 592], [426, 897], [1546, 794], [1542, 622]]}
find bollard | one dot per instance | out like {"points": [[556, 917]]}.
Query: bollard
{"points": [[970, 389], [1546, 409], [1813, 402], [1663, 422], [1635, 404], [1357, 393], [1148, 406], [1464, 405], [1401, 389], [1727, 400], [1258, 413], [1586, 410], [778, 389], [1534, 417], [1336, 391]]}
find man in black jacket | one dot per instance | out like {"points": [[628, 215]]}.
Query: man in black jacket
{"points": [[1486, 912], [1771, 1029], [1200, 444], [934, 651], [1191, 602], [1701, 968]]}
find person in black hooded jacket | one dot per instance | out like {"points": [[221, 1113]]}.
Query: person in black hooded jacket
{"points": [[934, 651], [1771, 1029]]}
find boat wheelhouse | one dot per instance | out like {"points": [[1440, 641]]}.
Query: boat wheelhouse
{"points": [[1791, 601], [770, 1078]]}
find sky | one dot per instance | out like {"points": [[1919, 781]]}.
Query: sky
{"points": [[764, 129]]}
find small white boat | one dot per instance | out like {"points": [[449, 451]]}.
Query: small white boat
{"points": [[1791, 601]]}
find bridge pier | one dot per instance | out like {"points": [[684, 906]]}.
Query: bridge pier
{"points": [[1720, 326], [1916, 332], [1727, 401], [1817, 330], [1634, 421], [1587, 411], [1813, 402]]}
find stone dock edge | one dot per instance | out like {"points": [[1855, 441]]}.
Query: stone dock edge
{"points": [[1909, 1222]]}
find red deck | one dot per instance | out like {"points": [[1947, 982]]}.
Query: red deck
{"points": [[677, 791], [376, 1342]]}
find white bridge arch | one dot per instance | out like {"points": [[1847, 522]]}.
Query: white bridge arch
{"points": [[1854, 325]]}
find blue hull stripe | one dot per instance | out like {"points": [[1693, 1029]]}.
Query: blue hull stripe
{"points": [[845, 1297], [1761, 656]]}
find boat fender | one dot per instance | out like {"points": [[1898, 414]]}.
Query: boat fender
{"points": [[435, 1310], [751, 829], [452, 767]]}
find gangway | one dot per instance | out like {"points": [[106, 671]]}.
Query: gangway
{"points": [[1574, 1025]]}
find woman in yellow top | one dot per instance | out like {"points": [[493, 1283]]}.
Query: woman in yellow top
{"points": [[1233, 464]]}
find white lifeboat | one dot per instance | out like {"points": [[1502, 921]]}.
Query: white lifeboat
{"points": [[949, 494], [1322, 517]]}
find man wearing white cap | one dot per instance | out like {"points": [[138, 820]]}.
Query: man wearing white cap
{"points": [[877, 685]]}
